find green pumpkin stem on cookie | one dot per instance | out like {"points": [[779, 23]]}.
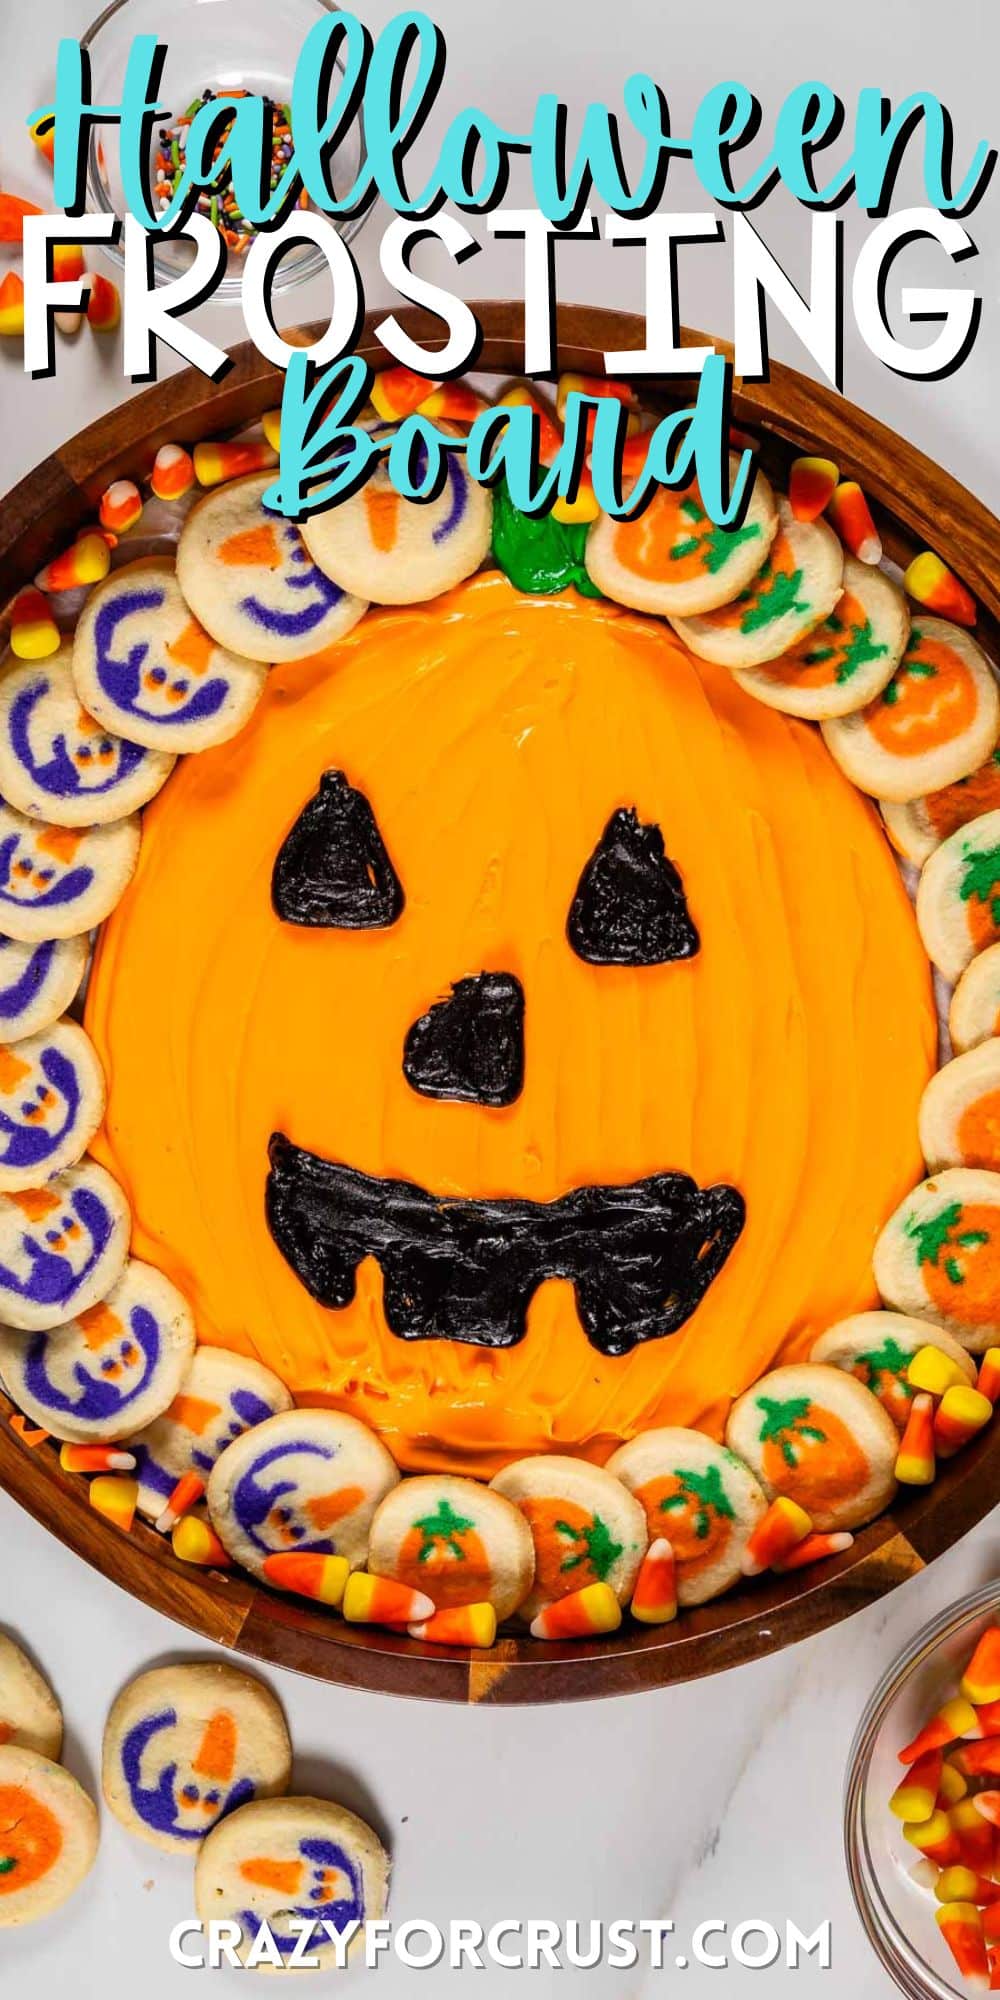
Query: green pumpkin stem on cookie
{"points": [[593, 1544], [886, 1363], [713, 544], [981, 879], [445, 1528], [773, 596], [708, 1493], [855, 645], [942, 1232], [785, 1422]]}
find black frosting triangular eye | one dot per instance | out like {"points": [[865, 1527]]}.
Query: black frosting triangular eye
{"points": [[332, 869], [630, 907], [470, 1047]]}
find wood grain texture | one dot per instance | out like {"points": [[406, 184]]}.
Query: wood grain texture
{"points": [[915, 503]]}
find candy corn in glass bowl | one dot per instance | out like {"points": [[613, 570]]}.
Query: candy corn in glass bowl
{"points": [[897, 1907], [212, 46]]}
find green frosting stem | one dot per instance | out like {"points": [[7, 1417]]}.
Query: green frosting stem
{"points": [[539, 556]]}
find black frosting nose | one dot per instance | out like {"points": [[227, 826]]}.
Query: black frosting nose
{"points": [[470, 1047]]}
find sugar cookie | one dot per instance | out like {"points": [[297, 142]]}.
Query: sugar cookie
{"points": [[934, 722], [221, 1396], [877, 1348], [700, 1497], [56, 762], [62, 1247], [388, 550], [958, 896], [818, 1436], [938, 1257], [308, 1480], [975, 1003], [37, 983], [460, 1542], [59, 881], [796, 589], [842, 663], [247, 576], [48, 1835], [283, 1861], [918, 826], [51, 1103], [30, 1715], [673, 560], [185, 1745], [144, 667], [586, 1527], [110, 1370], [960, 1111]]}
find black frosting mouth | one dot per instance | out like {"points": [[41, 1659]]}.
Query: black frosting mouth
{"points": [[640, 1258]]}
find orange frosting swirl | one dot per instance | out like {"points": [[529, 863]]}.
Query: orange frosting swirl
{"points": [[494, 734]]}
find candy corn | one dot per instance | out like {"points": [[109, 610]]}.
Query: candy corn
{"points": [[924, 1874], [67, 262], [29, 1434], [960, 1415], [309, 1575], [95, 1458], [121, 506], [811, 482], [173, 472], [594, 1609], [814, 1549], [86, 561], [104, 306], [12, 303], [952, 1786], [987, 1718], [777, 1532], [980, 1682], [975, 1837], [848, 512], [43, 132], [963, 1885], [398, 392], [654, 1599], [591, 385], [988, 1804], [378, 1600], [933, 1372], [993, 1958], [979, 1760], [115, 1497], [961, 1927], [186, 1494], [915, 1797], [550, 437], [915, 1463], [464, 1625], [938, 589], [455, 403], [988, 1379], [218, 461], [12, 213], [271, 426], [193, 1541], [936, 1838], [34, 633], [955, 1719], [991, 1922]]}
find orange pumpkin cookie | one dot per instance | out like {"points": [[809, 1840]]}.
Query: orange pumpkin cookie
{"points": [[184, 1745], [816, 1435], [877, 1348], [30, 1715], [975, 1003], [673, 560], [700, 1497], [387, 550], [935, 721], [938, 1257], [795, 590], [287, 1863], [960, 1111], [845, 661], [48, 1835], [247, 576], [918, 826], [585, 1525], [306, 1479], [459, 1542], [958, 896]]}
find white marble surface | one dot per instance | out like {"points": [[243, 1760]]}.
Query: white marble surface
{"points": [[722, 1799]]}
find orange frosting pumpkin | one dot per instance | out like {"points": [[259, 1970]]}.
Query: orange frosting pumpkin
{"points": [[494, 734]]}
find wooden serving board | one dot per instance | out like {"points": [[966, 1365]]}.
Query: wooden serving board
{"points": [[916, 504]]}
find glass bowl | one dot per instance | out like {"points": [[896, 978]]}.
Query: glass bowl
{"points": [[220, 44], [897, 1915]]}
